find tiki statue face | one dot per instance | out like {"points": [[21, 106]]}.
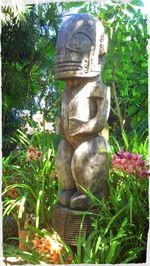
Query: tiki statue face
{"points": [[80, 47]]}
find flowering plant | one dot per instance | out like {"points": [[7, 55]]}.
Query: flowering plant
{"points": [[29, 180], [120, 224], [51, 249], [130, 163], [38, 124]]}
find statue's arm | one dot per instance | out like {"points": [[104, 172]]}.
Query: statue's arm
{"points": [[97, 123], [58, 126]]}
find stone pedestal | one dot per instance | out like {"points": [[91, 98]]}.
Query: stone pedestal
{"points": [[69, 224]]}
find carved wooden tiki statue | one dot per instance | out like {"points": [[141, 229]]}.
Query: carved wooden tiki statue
{"points": [[82, 157]]}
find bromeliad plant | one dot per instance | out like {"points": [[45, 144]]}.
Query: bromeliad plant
{"points": [[29, 180]]}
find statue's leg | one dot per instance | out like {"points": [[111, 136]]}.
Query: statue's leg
{"points": [[63, 168], [90, 168]]}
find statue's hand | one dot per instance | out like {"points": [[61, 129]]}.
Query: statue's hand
{"points": [[75, 126]]}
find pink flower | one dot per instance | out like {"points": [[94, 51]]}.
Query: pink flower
{"points": [[130, 163]]}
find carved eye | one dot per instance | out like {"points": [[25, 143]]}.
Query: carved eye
{"points": [[80, 42]]}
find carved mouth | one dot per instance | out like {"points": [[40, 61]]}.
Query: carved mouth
{"points": [[68, 66]]}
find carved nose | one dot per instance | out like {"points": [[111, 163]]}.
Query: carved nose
{"points": [[65, 55]]}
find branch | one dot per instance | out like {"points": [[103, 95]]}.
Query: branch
{"points": [[120, 118]]}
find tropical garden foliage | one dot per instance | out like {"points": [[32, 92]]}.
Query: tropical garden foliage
{"points": [[31, 103]]}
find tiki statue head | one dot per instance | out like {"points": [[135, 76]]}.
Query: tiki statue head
{"points": [[80, 48]]}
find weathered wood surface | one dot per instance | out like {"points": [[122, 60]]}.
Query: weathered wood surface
{"points": [[82, 158]]}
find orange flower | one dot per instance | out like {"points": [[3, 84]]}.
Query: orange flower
{"points": [[55, 258], [31, 149], [50, 247], [13, 193], [42, 249], [33, 153], [36, 242]]}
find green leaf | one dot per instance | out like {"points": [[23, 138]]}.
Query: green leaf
{"points": [[24, 186], [125, 139], [113, 219], [12, 251], [137, 2], [74, 5], [98, 244], [22, 203], [112, 251], [38, 208], [11, 204]]}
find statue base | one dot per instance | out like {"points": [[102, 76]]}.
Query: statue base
{"points": [[70, 223]]}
